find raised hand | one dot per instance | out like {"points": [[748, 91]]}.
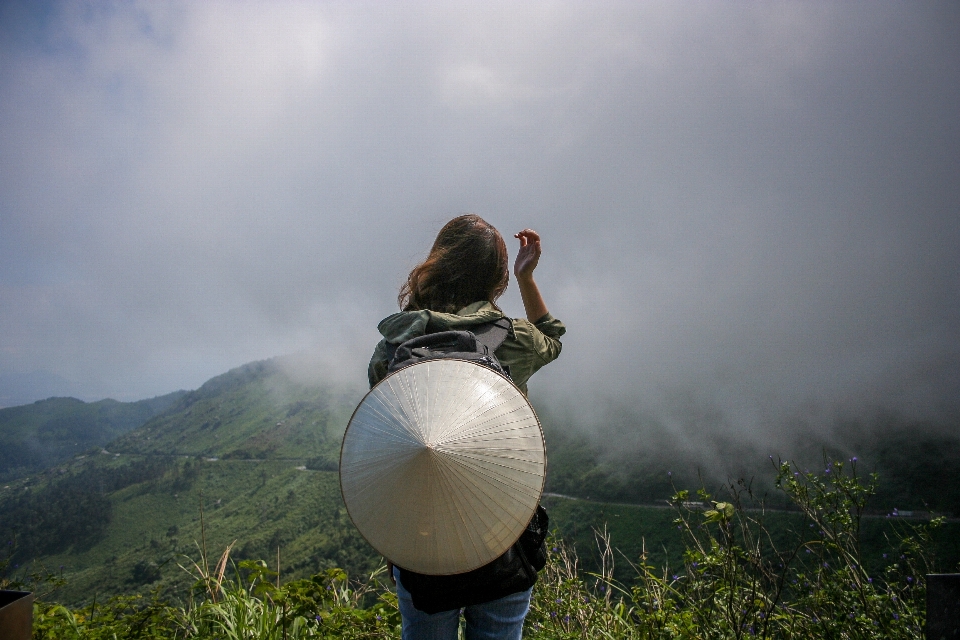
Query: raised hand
{"points": [[529, 255], [527, 259]]}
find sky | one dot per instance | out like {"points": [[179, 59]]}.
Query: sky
{"points": [[749, 209]]}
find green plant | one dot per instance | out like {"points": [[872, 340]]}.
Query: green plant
{"points": [[120, 617], [738, 579], [253, 606]]}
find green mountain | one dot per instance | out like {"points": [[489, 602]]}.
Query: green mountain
{"points": [[255, 450], [36, 436], [125, 524], [259, 443], [262, 410]]}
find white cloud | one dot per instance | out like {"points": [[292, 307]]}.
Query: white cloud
{"points": [[755, 202]]}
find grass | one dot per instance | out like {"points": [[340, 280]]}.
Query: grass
{"points": [[736, 579], [266, 505], [262, 504]]}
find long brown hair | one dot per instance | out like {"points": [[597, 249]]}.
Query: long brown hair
{"points": [[468, 263]]}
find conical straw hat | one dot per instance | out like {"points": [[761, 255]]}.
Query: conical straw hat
{"points": [[442, 466]]}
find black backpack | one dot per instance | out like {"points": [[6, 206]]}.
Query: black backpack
{"points": [[515, 570], [476, 346]]}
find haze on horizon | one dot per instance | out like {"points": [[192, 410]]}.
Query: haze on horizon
{"points": [[752, 207]]}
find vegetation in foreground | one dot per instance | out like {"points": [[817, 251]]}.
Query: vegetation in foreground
{"points": [[736, 580]]}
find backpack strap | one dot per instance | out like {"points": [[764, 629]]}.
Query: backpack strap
{"points": [[492, 334]]}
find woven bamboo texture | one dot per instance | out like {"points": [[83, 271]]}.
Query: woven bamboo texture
{"points": [[442, 466]]}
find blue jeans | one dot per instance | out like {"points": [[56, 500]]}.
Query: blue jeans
{"points": [[500, 619]]}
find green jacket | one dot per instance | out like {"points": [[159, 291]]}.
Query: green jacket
{"points": [[529, 346]]}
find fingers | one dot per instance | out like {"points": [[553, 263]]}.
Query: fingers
{"points": [[527, 236]]}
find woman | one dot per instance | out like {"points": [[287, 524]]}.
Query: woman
{"points": [[456, 288]]}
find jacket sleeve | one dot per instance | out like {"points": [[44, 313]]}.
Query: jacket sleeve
{"points": [[543, 339], [532, 345], [550, 326]]}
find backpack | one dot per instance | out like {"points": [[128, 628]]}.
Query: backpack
{"points": [[474, 346], [515, 570]]}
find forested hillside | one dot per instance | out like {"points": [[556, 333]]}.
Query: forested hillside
{"points": [[120, 525], [261, 410], [258, 448], [36, 436]]}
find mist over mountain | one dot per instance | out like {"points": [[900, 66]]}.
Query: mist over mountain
{"points": [[24, 388], [258, 446], [623, 455], [293, 407]]}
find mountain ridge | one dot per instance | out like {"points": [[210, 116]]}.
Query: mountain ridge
{"points": [[48, 432], [260, 410]]}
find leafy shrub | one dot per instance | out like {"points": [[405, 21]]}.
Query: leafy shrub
{"points": [[737, 581], [145, 572]]}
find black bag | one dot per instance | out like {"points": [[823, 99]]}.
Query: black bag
{"points": [[515, 570], [475, 346]]}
